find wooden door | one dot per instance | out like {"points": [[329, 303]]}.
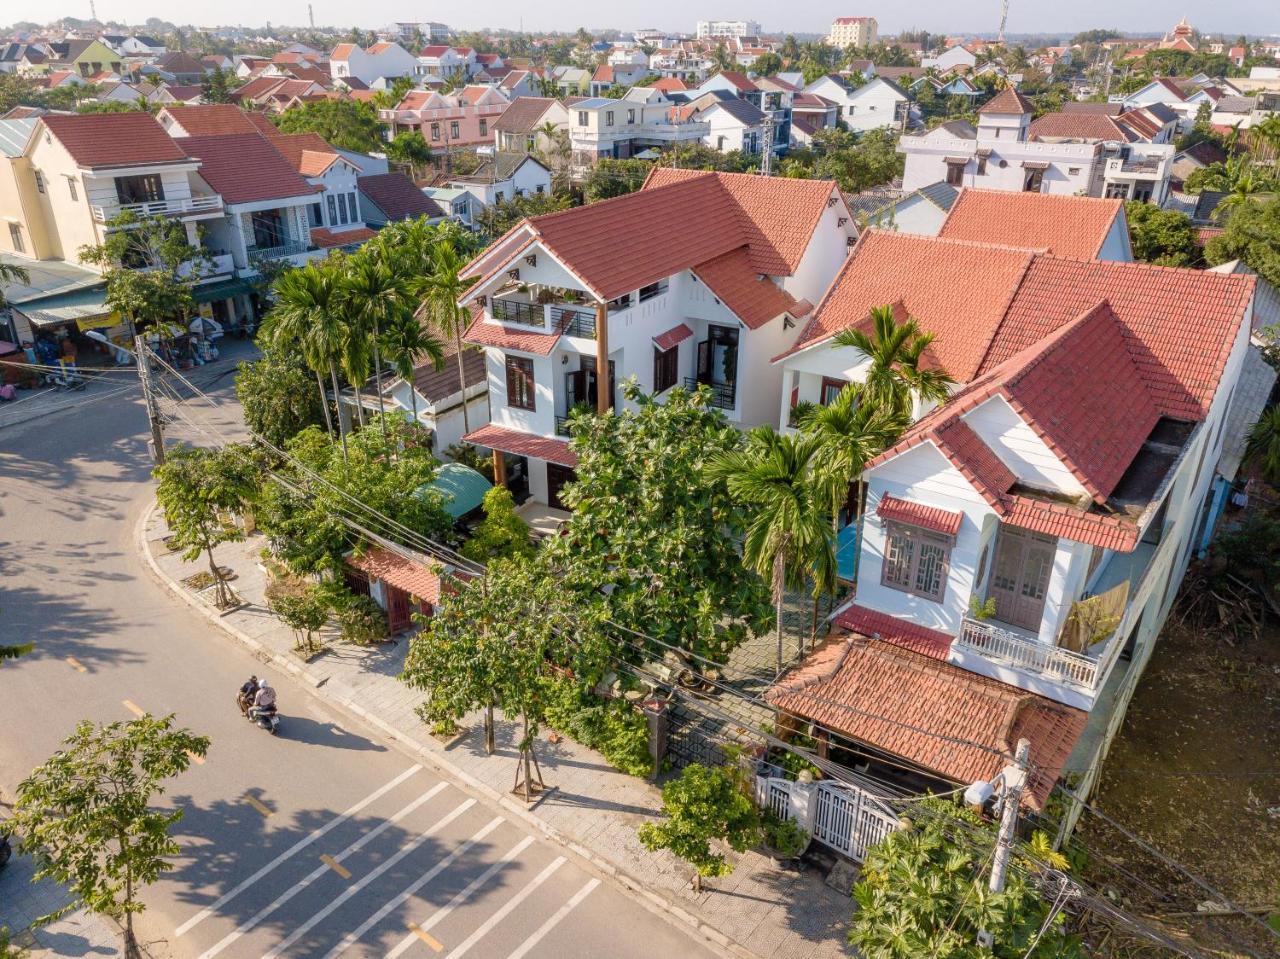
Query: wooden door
{"points": [[1020, 576], [397, 609], [557, 476]]}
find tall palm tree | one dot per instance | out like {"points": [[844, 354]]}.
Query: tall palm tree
{"points": [[406, 340], [375, 297], [897, 375], [308, 317], [787, 534], [442, 289]]}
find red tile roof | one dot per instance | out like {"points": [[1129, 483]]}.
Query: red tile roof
{"points": [[737, 80], [672, 337], [325, 238], [1008, 101], [483, 333], [1077, 126], [668, 84], [1074, 226], [397, 197], [891, 629], [523, 444], [954, 723], [417, 579], [245, 167], [308, 153], [100, 140], [918, 514], [211, 119], [753, 300]]}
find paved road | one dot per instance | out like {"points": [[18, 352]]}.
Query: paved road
{"points": [[322, 841]]}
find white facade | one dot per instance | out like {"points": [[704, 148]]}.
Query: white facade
{"points": [[601, 128], [382, 61], [957, 56], [727, 29], [727, 132], [527, 179], [853, 32], [875, 105]]}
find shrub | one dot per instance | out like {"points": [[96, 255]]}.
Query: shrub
{"points": [[785, 836], [610, 726], [303, 606], [361, 621]]}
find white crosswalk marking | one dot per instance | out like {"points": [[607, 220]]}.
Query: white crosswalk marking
{"points": [[461, 897], [294, 850], [507, 908], [316, 873], [417, 884], [540, 933], [368, 878]]}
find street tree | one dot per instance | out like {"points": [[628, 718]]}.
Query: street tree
{"points": [[200, 491], [788, 536], [923, 891], [445, 253], [502, 534], [151, 267], [86, 814], [646, 512], [277, 396], [703, 805], [496, 641]]}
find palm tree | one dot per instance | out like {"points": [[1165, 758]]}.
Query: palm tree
{"points": [[896, 376], [441, 291], [406, 340], [11, 273], [376, 298], [1264, 444], [308, 316], [787, 534]]}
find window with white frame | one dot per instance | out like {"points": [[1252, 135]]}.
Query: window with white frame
{"points": [[915, 561]]}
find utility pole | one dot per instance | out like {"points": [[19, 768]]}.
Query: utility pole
{"points": [[1013, 781], [311, 15], [149, 395], [766, 154]]}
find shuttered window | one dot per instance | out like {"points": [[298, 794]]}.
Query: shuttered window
{"points": [[665, 366], [915, 561], [520, 382]]}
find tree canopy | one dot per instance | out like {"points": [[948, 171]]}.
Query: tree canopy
{"points": [[610, 178], [1163, 237], [501, 216], [1250, 233], [346, 124], [278, 396]]}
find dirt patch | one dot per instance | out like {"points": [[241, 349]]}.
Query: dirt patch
{"points": [[1195, 771]]}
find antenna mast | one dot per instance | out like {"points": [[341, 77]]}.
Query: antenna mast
{"points": [[93, 12], [1004, 18], [311, 15]]}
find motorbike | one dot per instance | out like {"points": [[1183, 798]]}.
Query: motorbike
{"points": [[268, 719]]}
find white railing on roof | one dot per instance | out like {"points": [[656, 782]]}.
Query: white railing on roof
{"points": [[208, 203], [1060, 664]]}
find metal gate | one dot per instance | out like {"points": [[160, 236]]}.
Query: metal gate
{"points": [[850, 821]]}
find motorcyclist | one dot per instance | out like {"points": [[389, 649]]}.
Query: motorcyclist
{"points": [[264, 701], [246, 694]]}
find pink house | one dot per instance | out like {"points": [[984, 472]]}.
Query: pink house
{"points": [[459, 120]]}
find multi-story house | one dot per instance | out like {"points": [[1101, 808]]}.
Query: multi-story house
{"points": [[875, 104], [453, 121], [853, 32], [1021, 545], [84, 57], [1003, 154], [771, 97], [601, 128], [440, 61], [691, 66], [381, 62], [522, 127], [727, 29], [703, 280]]}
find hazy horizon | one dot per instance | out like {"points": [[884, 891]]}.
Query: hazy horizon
{"points": [[1228, 16]]}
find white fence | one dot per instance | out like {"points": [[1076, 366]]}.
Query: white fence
{"points": [[844, 817], [1061, 664]]}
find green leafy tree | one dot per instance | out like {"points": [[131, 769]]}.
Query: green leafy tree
{"points": [[899, 374], [216, 86], [497, 640], [386, 470], [444, 253], [1163, 237], [766, 65], [499, 217], [200, 490], [277, 396], [346, 124], [1250, 233], [150, 266], [703, 805], [502, 534], [304, 609], [609, 178], [923, 891], [788, 536], [85, 814], [646, 512], [409, 149]]}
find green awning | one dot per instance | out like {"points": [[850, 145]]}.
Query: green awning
{"points": [[463, 488], [223, 289], [86, 307]]}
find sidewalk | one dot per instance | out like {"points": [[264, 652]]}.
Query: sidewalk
{"points": [[590, 808], [77, 934]]}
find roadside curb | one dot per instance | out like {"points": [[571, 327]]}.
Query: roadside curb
{"points": [[675, 913]]}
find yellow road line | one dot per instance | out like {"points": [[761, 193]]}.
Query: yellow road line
{"points": [[426, 937], [76, 664], [336, 866], [134, 708], [258, 805]]}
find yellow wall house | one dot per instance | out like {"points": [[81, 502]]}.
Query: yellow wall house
{"points": [[23, 232], [86, 57]]}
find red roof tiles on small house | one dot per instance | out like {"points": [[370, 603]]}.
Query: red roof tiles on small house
{"points": [[1074, 226], [753, 299], [423, 580], [326, 238], [891, 629], [102, 140], [523, 444], [957, 724], [211, 119], [483, 333], [397, 197], [893, 509], [308, 153]]}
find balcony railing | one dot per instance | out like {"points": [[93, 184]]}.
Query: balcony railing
{"points": [[1054, 662], [519, 311], [574, 322], [210, 203], [562, 426], [724, 396], [276, 252]]}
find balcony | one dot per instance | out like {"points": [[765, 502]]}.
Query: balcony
{"points": [[216, 264], [188, 206], [277, 252], [724, 396], [521, 312], [1051, 662], [574, 321]]}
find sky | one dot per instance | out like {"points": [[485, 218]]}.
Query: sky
{"points": [[1025, 16]]}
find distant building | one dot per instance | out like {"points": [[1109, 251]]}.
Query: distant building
{"points": [[712, 29], [853, 32]]}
